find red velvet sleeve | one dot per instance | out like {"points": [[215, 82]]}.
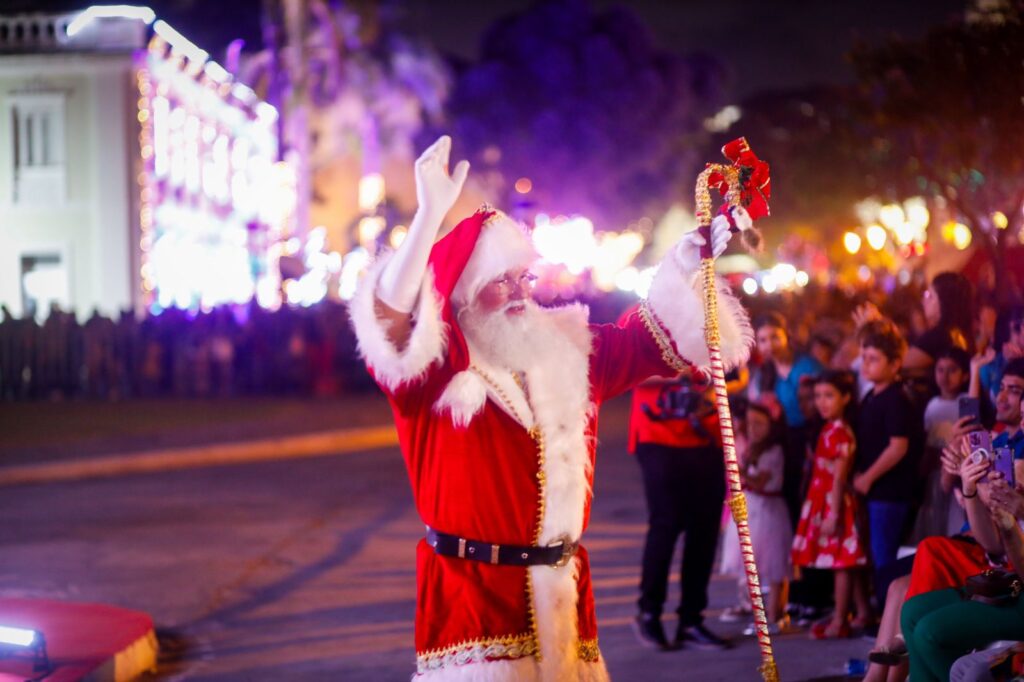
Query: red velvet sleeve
{"points": [[410, 397], [627, 353]]}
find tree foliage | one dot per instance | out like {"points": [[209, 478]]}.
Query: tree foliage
{"points": [[367, 87], [947, 117], [808, 138], [585, 105]]}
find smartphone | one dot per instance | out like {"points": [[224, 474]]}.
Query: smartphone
{"points": [[980, 443], [969, 407], [1004, 464]]}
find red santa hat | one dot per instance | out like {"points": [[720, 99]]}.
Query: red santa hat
{"points": [[481, 248]]}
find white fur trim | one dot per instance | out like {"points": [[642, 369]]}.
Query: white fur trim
{"points": [[502, 246], [517, 670], [559, 387], [464, 397], [391, 366], [518, 407], [734, 327], [555, 597], [676, 297]]}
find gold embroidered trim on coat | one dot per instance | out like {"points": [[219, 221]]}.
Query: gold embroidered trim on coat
{"points": [[542, 479], [538, 438], [531, 615], [477, 651], [587, 650], [657, 332]]}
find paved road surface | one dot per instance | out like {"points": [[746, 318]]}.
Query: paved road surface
{"points": [[303, 569]]}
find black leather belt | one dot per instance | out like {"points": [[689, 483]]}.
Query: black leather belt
{"points": [[557, 554]]}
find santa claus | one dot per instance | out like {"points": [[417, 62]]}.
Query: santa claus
{"points": [[495, 400]]}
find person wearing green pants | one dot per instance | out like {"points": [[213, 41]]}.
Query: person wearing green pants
{"points": [[942, 626]]}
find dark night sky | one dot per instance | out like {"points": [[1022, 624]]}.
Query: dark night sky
{"points": [[767, 45]]}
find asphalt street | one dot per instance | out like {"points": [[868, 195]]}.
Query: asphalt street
{"points": [[303, 569]]}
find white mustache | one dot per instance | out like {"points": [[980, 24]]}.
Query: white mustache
{"points": [[525, 303]]}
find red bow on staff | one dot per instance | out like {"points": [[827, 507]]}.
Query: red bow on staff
{"points": [[755, 182]]}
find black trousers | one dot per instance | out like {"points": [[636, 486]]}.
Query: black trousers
{"points": [[685, 490]]}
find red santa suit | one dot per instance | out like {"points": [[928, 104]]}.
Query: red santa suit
{"points": [[511, 462]]}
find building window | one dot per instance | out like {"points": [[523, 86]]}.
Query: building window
{"points": [[37, 124], [45, 282]]}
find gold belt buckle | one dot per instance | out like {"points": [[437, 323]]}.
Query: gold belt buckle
{"points": [[569, 549]]}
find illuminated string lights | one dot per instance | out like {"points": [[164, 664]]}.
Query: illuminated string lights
{"points": [[143, 177], [91, 14], [213, 200]]}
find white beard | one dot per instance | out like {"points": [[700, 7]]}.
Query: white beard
{"points": [[504, 340]]}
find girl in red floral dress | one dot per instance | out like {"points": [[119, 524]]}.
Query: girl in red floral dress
{"points": [[827, 536]]}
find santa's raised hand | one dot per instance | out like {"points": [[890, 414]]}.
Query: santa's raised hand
{"points": [[436, 190]]}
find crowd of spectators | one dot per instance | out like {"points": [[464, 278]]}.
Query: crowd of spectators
{"points": [[892, 512], [225, 352]]}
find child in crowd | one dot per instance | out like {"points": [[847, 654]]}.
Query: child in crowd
{"points": [[827, 536], [810, 597], [822, 349], [885, 466], [808, 435], [761, 469], [937, 515]]}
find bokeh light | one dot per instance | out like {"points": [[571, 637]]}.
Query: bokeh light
{"points": [[892, 216], [851, 242], [961, 236], [876, 236]]}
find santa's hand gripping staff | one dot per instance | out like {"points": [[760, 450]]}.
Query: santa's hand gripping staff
{"points": [[495, 401]]}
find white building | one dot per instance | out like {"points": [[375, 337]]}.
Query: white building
{"points": [[135, 173]]}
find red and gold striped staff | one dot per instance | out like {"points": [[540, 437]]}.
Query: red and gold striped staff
{"points": [[744, 184]]}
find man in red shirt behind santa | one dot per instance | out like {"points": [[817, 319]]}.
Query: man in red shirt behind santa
{"points": [[495, 401]]}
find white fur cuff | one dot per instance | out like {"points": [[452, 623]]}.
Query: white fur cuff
{"points": [[677, 299], [391, 366]]}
